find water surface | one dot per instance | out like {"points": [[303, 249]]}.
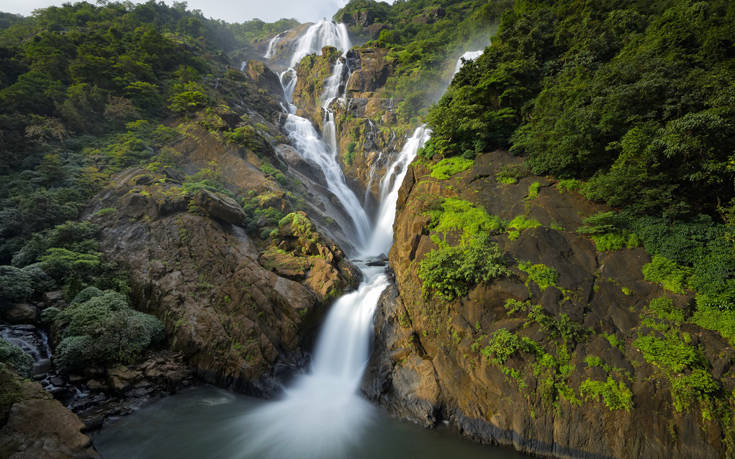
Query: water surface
{"points": [[208, 422]]}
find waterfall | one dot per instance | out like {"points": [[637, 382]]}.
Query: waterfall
{"points": [[321, 413], [468, 56], [272, 46], [382, 237], [307, 143], [317, 36]]}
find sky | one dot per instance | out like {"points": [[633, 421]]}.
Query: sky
{"points": [[228, 10]]}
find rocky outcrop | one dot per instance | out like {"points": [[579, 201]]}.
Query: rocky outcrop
{"points": [[264, 78], [312, 71], [33, 424], [299, 252], [192, 264], [515, 360]]}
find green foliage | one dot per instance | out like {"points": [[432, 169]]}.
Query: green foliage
{"points": [[663, 271], [75, 236], [695, 386], [15, 357], [533, 190], [615, 395], [520, 224], [669, 353], [448, 167], [350, 153], [451, 272], [566, 185], [501, 345], [103, 330], [509, 175], [541, 274], [21, 284], [188, 97], [457, 215], [596, 91]]}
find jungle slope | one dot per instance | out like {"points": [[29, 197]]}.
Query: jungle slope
{"points": [[592, 312]]}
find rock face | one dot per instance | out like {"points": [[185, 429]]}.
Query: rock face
{"points": [[300, 253], [444, 360], [35, 425], [263, 77], [366, 124], [198, 271]]}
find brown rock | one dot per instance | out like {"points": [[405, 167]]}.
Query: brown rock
{"points": [[21, 313]]}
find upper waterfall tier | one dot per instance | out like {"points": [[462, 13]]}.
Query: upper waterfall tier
{"points": [[323, 33]]}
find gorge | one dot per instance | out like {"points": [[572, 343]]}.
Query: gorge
{"points": [[437, 228]]}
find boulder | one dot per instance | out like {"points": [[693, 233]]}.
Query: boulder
{"points": [[221, 207], [20, 313]]}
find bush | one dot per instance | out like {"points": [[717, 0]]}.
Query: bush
{"points": [[520, 224], [615, 395], [663, 271], [103, 330], [688, 388], [448, 167], [451, 272], [15, 357], [541, 274]]}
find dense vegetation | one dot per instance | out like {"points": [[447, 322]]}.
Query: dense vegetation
{"points": [[424, 39], [630, 103], [636, 97], [86, 91]]}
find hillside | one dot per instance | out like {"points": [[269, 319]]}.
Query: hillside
{"points": [[188, 201]]}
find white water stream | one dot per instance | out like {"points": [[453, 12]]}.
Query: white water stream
{"points": [[322, 413]]}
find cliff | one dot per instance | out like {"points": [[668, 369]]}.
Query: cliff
{"points": [[568, 352]]}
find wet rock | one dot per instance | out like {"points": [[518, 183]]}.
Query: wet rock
{"points": [[41, 367], [264, 77], [37, 425], [428, 361], [20, 313]]}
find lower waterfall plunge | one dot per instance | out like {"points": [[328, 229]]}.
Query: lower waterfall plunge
{"points": [[322, 413]]}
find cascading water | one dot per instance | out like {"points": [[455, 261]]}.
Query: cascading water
{"points": [[468, 56], [323, 33], [307, 142], [272, 46], [382, 237], [322, 413]]}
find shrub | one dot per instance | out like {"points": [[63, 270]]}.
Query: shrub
{"points": [[520, 224], [541, 274], [663, 271], [189, 98], [566, 185], [615, 395], [14, 356], [463, 216], [450, 272], [688, 388], [533, 190], [448, 167], [103, 330], [501, 345], [669, 353]]}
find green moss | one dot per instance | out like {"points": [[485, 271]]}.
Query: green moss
{"points": [[533, 190], [667, 273], [541, 274], [520, 224], [448, 167], [464, 217], [615, 394]]}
